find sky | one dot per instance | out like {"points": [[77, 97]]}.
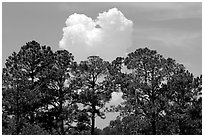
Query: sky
{"points": [[108, 30]]}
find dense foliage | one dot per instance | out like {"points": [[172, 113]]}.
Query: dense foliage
{"points": [[46, 92]]}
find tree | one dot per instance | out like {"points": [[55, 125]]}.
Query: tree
{"points": [[62, 108], [142, 86], [128, 125], [36, 62], [49, 93], [115, 128], [185, 110], [10, 92], [93, 94], [33, 129], [83, 123], [22, 78], [159, 93]]}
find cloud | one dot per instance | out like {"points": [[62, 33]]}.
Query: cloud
{"points": [[116, 98], [108, 36]]}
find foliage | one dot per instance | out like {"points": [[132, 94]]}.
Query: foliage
{"points": [[46, 92], [22, 78], [29, 129], [60, 91], [93, 94], [185, 109], [157, 93]]}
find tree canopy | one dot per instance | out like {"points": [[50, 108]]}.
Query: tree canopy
{"points": [[46, 92]]}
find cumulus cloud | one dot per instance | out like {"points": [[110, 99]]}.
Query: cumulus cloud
{"points": [[116, 98], [108, 36]]}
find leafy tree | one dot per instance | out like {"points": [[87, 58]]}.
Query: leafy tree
{"points": [[21, 81], [48, 93], [93, 94], [36, 62], [143, 86], [83, 123], [97, 131], [158, 93], [32, 129], [115, 128], [128, 125], [11, 103], [185, 110], [62, 108]]}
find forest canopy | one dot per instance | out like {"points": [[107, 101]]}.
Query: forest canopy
{"points": [[47, 92]]}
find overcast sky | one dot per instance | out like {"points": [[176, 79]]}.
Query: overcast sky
{"points": [[173, 29]]}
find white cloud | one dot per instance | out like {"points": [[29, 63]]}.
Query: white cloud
{"points": [[116, 99], [108, 36], [116, 96]]}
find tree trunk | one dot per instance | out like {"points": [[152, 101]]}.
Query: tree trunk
{"points": [[93, 123], [93, 108], [17, 123], [61, 111], [62, 126], [181, 129], [153, 123], [17, 113], [31, 113], [61, 119], [32, 117]]}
